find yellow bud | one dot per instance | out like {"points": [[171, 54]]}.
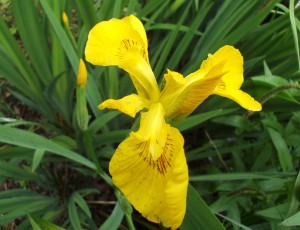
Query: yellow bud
{"points": [[82, 74], [65, 19]]}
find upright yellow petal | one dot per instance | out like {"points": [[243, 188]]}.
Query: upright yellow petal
{"points": [[123, 43], [181, 96], [233, 65], [233, 78], [129, 105], [155, 183], [109, 41]]}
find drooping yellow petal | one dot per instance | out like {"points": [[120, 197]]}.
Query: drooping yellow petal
{"points": [[149, 167], [123, 43], [242, 98], [233, 78], [129, 105], [181, 96]]}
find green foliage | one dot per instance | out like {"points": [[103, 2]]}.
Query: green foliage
{"points": [[243, 166]]}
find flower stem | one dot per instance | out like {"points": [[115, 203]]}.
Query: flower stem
{"points": [[129, 222], [91, 152], [273, 92], [276, 90]]}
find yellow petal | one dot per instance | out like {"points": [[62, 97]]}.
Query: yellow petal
{"points": [[181, 96], [109, 41], [155, 184], [233, 65], [242, 98], [123, 43], [129, 105], [141, 75], [233, 78]]}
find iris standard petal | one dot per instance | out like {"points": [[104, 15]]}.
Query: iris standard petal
{"points": [[233, 78], [154, 183], [123, 43], [129, 105], [233, 65], [181, 96]]}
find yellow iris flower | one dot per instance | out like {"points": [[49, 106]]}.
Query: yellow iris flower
{"points": [[149, 166]]}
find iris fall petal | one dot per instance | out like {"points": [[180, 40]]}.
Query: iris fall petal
{"points": [[155, 185]]}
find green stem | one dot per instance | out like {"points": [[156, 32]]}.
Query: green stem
{"points": [[70, 35], [273, 92], [129, 221], [276, 90], [92, 154]]}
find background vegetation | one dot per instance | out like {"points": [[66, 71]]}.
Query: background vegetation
{"points": [[244, 165]]}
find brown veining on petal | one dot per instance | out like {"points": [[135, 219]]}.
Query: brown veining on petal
{"points": [[126, 44], [163, 163]]}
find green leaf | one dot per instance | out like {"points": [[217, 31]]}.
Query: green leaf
{"points": [[33, 36], [294, 220], [268, 82], [37, 158], [194, 120], [198, 214], [283, 152], [44, 224], [34, 225], [73, 214], [82, 204], [114, 220], [13, 50], [112, 137], [13, 207], [88, 12], [61, 34], [30, 140], [234, 222], [126, 207], [16, 172], [239, 176], [102, 120], [276, 213], [159, 66], [294, 28]]}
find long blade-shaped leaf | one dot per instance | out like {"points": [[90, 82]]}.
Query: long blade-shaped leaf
{"points": [[198, 215], [33, 37], [27, 139]]}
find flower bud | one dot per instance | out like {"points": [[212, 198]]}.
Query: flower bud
{"points": [[82, 74], [65, 19]]}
